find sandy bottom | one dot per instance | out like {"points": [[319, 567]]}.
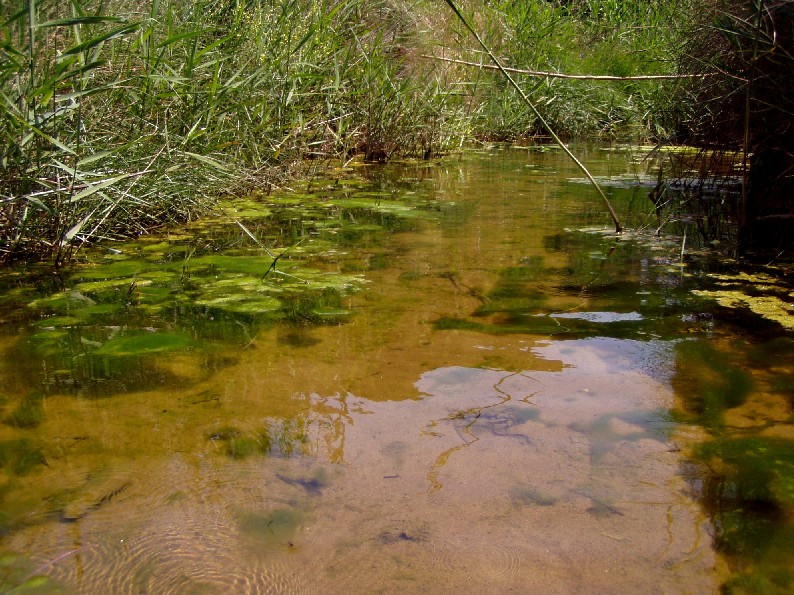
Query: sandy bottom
{"points": [[559, 479]]}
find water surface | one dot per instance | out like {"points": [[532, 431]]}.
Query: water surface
{"points": [[457, 380]]}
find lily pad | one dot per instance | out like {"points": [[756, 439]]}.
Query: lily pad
{"points": [[109, 285], [63, 302], [99, 309], [249, 265], [49, 341], [115, 269]]}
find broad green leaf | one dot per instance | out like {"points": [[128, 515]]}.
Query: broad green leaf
{"points": [[143, 344]]}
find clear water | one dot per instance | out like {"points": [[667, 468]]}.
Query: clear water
{"points": [[455, 380]]}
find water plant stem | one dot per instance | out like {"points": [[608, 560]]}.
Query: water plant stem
{"points": [[748, 97]]}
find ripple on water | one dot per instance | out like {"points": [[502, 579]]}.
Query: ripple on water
{"points": [[514, 480], [215, 535]]}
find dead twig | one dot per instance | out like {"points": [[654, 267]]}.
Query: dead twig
{"points": [[581, 77]]}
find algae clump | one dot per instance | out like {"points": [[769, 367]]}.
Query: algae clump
{"points": [[142, 344]]}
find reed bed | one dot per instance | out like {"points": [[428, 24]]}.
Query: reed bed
{"points": [[119, 117]]}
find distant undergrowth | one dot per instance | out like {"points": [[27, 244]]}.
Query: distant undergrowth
{"points": [[583, 37]]}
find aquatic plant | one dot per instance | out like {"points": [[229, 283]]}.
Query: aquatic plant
{"points": [[276, 437], [749, 491], [20, 456], [29, 413], [720, 383]]}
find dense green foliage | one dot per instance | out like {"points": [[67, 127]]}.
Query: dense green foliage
{"points": [[113, 124], [585, 37], [116, 117]]}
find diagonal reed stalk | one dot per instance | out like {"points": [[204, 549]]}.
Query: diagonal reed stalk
{"points": [[537, 114]]}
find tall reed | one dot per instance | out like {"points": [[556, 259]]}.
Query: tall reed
{"points": [[118, 116], [548, 129], [114, 119], [595, 37]]}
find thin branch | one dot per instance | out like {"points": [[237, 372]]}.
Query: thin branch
{"points": [[580, 77]]}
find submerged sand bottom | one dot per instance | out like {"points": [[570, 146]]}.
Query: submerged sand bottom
{"points": [[563, 479]]}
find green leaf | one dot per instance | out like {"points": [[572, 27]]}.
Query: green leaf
{"points": [[209, 161], [75, 229], [213, 45], [88, 20], [188, 35], [16, 17], [76, 71], [88, 44], [95, 157], [143, 344], [94, 188]]}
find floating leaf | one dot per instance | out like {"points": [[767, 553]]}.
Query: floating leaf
{"points": [[57, 322], [143, 344], [241, 303]]}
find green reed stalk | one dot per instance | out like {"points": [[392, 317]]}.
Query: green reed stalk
{"points": [[537, 114]]}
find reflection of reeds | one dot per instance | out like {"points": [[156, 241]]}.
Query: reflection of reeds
{"points": [[698, 193], [539, 117]]}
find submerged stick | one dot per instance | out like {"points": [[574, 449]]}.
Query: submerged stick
{"points": [[541, 119]]}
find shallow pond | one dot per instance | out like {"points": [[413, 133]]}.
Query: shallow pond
{"points": [[452, 379]]}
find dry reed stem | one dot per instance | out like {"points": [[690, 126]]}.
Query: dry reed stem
{"points": [[581, 77]]}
